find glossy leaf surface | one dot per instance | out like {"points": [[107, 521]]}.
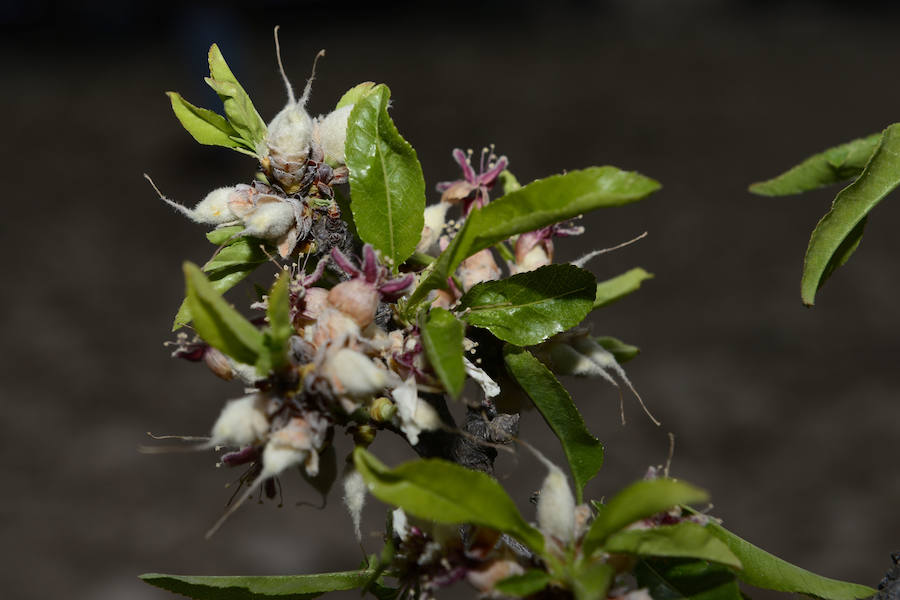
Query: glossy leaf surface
{"points": [[583, 451], [446, 493], [533, 206], [638, 501], [442, 337], [686, 579], [620, 286], [285, 587], [387, 188], [839, 231], [685, 539], [528, 308], [831, 166], [220, 325]]}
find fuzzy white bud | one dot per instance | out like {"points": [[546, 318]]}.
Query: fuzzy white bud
{"points": [[355, 499], [242, 422], [435, 217], [212, 210], [290, 132], [269, 221], [354, 374], [331, 133], [556, 507]]}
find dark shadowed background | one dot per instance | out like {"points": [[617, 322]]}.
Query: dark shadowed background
{"points": [[788, 416]]}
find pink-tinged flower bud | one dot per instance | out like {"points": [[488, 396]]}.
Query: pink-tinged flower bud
{"points": [[556, 507], [357, 299], [485, 579], [242, 422], [479, 267], [352, 373], [435, 217], [536, 257]]}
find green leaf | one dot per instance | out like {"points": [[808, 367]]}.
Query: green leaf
{"points": [[583, 451], [685, 539], [680, 579], [509, 181], [442, 337], [354, 94], [528, 308], [620, 350], [536, 205], [592, 581], [638, 501], [620, 286], [285, 587], [280, 329], [831, 166], [207, 127], [839, 231], [221, 280], [764, 570], [448, 493], [387, 188], [220, 325], [222, 235], [241, 252], [528, 583], [238, 107]]}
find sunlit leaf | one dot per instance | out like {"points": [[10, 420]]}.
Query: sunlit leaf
{"points": [[620, 286], [387, 188], [831, 166], [205, 126], [583, 451], [445, 492], [353, 95], [285, 587], [840, 230], [238, 107], [685, 539]]}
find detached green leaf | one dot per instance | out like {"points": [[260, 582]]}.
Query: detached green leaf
{"points": [[387, 188], [835, 164], [280, 329], [620, 350], [764, 570], [638, 501], [583, 451], [354, 94], [285, 587], [685, 539], [238, 107], [526, 584], [620, 286], [442, 337], [528, 308], [538, 204], [207, 127], [220, 325], [680, 579], [445, 492], [840, 230]]}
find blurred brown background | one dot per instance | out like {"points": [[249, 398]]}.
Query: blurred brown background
{"points": [[788, 416]]}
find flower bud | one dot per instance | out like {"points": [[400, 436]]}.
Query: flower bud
{"points": [[242, 422], [435, 216], [353, 373], [290, 133], [218, 363], [331, 134], [479, 267], [382, 410], [270, 220], [556, 507], [212, 210], [357, 299]]}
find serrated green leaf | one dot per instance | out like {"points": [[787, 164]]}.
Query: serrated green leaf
{"points": [[638, 501], [387, 188], [839, 232], [583, 451], [280, 329], [620, 286], [536, 205], [528, 583], [681, 579], [220, 325], [831, 166], [442, 338], [238, 107], [285, 587], [205, 126], [685, 540], [448, 493], [592, 581], [764, 570], [529, 307], [354, 94], [620, 350]]}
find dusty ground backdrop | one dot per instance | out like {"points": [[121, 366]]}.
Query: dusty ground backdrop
{"points": [[788, 416]]}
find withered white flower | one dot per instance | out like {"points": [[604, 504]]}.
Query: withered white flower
{"points": [[354, 374], [414, 415], [242, 422], [488, 385]]}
